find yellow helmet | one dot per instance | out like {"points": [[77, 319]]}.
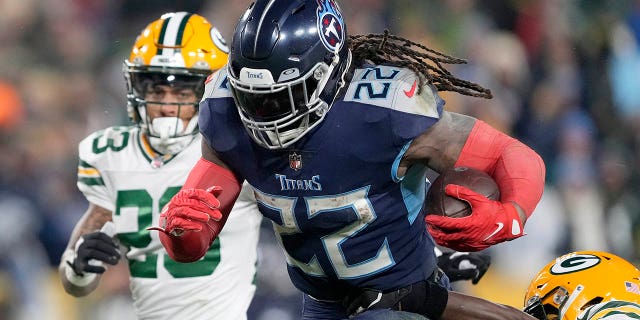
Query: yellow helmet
{"points": [[179, 49], [574, 281]]}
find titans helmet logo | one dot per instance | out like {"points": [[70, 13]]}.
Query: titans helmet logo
{"points": [[330, 25]]}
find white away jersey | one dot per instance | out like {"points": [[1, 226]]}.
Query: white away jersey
{"points": [[612, 310], [119, 171]]}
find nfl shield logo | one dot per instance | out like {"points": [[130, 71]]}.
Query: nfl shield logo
{"points": [[295, 161]]}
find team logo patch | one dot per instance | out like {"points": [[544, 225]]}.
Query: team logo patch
{"points": [[330, 25], [295, 161]]}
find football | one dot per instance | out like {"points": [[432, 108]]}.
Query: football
{"points": [[439, 203]]}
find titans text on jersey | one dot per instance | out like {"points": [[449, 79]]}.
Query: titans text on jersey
{"points": [[299, 184]]}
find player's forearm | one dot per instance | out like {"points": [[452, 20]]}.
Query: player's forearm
{"points": [[206, 174], [461, 306], [78, 286], [517, 169]]}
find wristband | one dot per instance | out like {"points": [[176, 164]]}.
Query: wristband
{"points": [[77, 280]]}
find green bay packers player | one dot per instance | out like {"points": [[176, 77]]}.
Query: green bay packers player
{"points": [[128, 173], [585, 285]]}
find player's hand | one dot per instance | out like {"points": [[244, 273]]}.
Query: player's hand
{"points": [[94, 246], [187, 223], [490, 222], [464, 265], [190, 210]]}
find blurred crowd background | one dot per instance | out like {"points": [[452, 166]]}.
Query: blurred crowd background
{"points": [[564, 74]]}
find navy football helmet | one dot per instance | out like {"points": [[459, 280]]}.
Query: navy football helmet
{"points": [[286, 65]]}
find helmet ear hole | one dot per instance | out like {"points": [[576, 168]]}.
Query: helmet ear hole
{"points": [[551, 312], [593, 301]]}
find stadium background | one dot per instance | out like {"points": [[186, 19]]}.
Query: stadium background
{"points": [[563, 73]]}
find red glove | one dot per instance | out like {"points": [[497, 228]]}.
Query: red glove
{"points": [[186, 223], [490, 222]]}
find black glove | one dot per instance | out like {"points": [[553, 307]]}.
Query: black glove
{"points": [[94, 246], [464, 265]]}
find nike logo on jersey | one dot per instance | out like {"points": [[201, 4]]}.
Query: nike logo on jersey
{"points": [[411, 91]]}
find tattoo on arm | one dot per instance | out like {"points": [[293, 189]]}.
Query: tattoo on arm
{"points": [[92, 220], [439, 147]]}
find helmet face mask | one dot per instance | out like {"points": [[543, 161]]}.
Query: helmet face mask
{"points": [[172, 56], [278, 115], [549, 306], [565, 287], [284, 75]]}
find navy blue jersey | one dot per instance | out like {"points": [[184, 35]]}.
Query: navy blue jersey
{"points": [[341, 212]]}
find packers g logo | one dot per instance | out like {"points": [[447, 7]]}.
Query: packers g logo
{"points": [[218, 40], [574, 263]]}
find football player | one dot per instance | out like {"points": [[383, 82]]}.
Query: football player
{"points": [[128, 173], [335, 136], [585, 285]]}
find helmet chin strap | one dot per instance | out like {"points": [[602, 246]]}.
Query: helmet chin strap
{"points": [[576, 292], [167, 134]]}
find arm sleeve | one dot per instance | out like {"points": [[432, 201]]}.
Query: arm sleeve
{"points": [[206, 174], [191, 245], [517, 169]]}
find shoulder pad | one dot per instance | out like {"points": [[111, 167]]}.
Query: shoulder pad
{"points": [[217, 85], [394, 88]]}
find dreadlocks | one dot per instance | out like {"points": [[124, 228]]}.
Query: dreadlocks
{"points": [[394, 50]]}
